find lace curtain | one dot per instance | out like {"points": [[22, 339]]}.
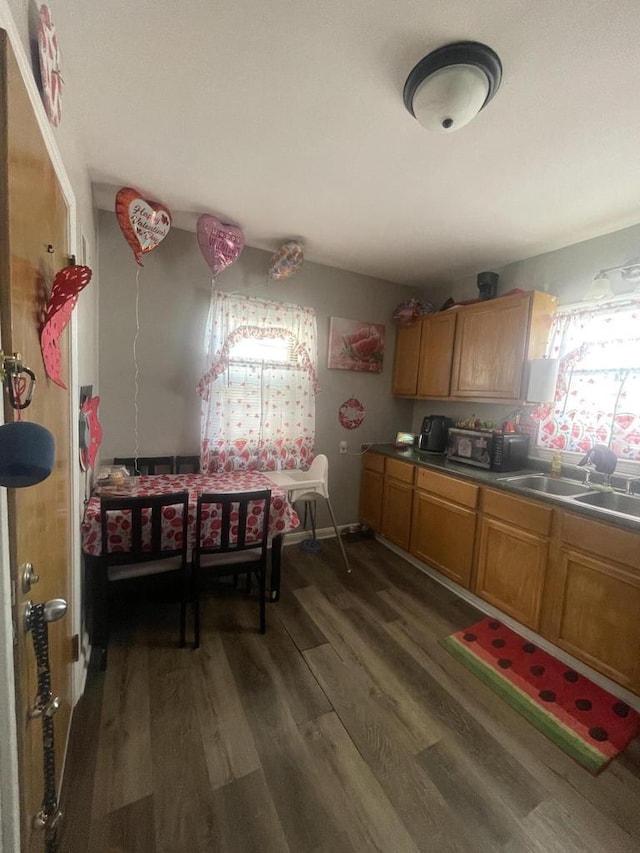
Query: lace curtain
{"points": [[259, 385], [597, 399]]}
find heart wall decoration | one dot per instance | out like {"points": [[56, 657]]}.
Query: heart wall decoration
{"points": [[144, 223], [67, 284], [220, 243]]}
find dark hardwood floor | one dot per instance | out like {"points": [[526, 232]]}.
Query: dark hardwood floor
{"points": [[347, 727]]}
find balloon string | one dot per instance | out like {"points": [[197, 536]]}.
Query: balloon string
{"points": [[136, 373]]}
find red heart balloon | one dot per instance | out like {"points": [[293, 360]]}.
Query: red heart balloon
{"points": [[144, 224], [219, 242]]}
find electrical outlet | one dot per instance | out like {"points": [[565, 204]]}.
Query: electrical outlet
{"points": [[343, 447]]}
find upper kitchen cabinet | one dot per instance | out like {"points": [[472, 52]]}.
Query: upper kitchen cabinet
{"points": [[474, 352], [406, 360], [494, 341], [424, 355], [436, 354]]}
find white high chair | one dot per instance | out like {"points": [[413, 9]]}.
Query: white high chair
{"points": [[316, 488]]}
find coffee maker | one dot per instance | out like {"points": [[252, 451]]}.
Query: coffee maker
{"points": [[433, 435]]}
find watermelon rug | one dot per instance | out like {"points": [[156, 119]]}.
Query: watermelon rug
{"points": [[586, 721]]}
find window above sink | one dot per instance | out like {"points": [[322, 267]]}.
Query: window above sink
{"points": [[597, 399]]}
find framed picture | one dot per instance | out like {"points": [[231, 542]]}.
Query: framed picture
{"points": [[355, 345]]}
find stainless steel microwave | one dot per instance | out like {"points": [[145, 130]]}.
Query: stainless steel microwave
{"points": [[498, 451]]}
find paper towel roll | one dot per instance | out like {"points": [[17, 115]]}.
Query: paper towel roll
{"points": [[543, 375]]}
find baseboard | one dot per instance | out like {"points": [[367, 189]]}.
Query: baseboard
{"points": [[321, 533], [616, 689]]}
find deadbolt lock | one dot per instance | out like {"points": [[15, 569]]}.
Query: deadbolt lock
{"points": [[29, 577]]}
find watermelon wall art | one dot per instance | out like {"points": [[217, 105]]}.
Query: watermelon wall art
{"points": [[354, 345]]}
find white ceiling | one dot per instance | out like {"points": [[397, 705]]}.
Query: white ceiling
{"points": [[286, 117]]}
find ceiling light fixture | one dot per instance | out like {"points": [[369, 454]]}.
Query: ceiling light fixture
{"points": [[450, 86]]}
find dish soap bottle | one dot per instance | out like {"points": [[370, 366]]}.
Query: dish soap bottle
{"points": [[556, 464]]}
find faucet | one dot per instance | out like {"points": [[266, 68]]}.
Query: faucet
{"points": [[603, 460], [632, 482]]}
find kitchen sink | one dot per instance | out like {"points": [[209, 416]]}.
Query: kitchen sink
{"points": [[626, 505], [547, 485]]}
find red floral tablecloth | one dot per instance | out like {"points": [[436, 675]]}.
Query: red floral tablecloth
{"points": [[282, 517]]}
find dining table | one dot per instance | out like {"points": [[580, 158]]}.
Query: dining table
{"points": [[282, 519]]}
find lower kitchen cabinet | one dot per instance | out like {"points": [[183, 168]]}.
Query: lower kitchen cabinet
{"points": [[443, 524], [512, 555], [371, 490], [397, 500], [592, 600], [572, 579]]}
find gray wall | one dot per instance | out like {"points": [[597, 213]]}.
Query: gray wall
{"points": [[567, 272], [174, 293]]}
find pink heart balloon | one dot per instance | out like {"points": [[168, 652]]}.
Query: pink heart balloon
{"points": [[219, 243]]}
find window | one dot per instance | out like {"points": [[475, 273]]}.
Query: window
{"points": [[258, 392], [597, 398]]}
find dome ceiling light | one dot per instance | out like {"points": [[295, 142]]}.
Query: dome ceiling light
{"points": [[450, 86]]}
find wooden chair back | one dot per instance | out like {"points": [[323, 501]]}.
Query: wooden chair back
{"points": [[147, 541], [237, 532], [147, 464], [188, 464]]}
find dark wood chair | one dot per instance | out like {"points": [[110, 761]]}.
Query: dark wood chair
{"points": [[237, 546], [157, 544], [188, 464], [147, 464]]}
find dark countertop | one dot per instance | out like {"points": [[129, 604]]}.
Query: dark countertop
{"points": [[499, 480]]}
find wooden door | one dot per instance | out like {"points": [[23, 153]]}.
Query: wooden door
{"points": [[512, 565], [491, 339], [405, 363], [443, 535], [436, 354], [33, 217], [397, 502], [592, 597], [371, 488], [597, 615]]}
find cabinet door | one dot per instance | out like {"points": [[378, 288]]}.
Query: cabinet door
{"points": [[396, 512], [442, 535], [436, 354], [405, 365], [371, 490], [511, 570], [489, 356], [594, 614]]}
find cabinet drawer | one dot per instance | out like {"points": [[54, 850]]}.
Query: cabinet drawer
{"points": [[373, 462], [604, 540], [528, 515], [403, 471], [448, 487]]}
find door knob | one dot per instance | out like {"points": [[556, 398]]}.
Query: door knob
{"points": [[52, 610]]}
